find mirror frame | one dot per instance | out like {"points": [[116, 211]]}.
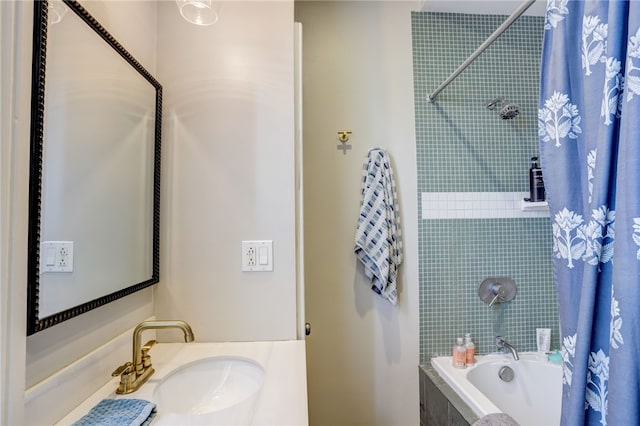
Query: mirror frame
{"points": [[40, 16]]}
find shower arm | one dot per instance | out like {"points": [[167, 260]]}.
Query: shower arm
{"points": [[502, 28]]}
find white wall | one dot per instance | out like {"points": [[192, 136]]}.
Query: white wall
{"points": [[228, 170], [362, 353]]}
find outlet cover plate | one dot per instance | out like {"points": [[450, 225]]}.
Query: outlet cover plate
{"points": [[56, 256], [257, 256]]}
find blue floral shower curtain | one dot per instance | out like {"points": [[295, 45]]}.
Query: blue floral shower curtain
{"points": [[589, 127]]}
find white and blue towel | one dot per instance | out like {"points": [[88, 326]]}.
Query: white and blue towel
{"points": [[119, 412], [378, 241]]}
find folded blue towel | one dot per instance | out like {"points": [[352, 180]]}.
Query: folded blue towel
{"points": [[119, 412], [378, 240]]}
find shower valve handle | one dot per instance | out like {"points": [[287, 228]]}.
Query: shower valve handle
{"points": [[497, 290]]}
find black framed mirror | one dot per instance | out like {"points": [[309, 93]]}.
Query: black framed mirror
{"points": [[94, 186]]}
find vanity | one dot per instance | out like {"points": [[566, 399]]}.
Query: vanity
{"points": [[280, 399]]}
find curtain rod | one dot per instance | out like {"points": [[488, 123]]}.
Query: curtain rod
{"points": [[502, 28]]}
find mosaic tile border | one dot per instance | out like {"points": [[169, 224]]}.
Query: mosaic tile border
{"points": [[480, 205]]}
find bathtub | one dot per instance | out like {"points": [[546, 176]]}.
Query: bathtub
{"points": [[532, 398]]}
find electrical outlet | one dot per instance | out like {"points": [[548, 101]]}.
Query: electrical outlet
{"points": [[251, 256], [257, 256], [63, 257]]}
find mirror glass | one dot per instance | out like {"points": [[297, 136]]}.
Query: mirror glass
{"points": [[94, 181]]}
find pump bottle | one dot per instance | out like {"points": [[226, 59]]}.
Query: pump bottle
{"points": [[536, 183], [459, 354], [470, 350]]}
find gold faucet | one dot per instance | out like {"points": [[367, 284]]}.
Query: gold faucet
{"points": [[135, 374]]}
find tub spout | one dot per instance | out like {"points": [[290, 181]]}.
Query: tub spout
{"points": [[503, 345]]}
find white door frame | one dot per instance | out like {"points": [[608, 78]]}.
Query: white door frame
{"points": [[297, 76], [15, 87]]}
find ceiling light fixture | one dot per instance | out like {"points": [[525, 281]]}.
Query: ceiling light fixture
{"points": [[199, 12]]}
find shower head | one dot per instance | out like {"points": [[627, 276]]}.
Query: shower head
{"points": [[508, 110]]}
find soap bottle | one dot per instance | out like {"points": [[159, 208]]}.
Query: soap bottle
{"points": [[536, 183], [470, 349], [459, 354]]}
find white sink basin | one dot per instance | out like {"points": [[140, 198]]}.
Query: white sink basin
{"points": [[216, 390]]}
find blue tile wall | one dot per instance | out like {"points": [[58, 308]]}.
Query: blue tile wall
{"points": [[464, 147]]}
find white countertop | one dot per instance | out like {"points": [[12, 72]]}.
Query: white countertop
{"points": [[282, 401]]}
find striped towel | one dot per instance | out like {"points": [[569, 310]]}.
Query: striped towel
{"points": [[119, 412], [378, 241]]}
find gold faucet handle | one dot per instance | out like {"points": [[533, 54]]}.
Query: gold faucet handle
{"points": [[125, 368], [127, 377], [148, 345], [146, 358]]}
